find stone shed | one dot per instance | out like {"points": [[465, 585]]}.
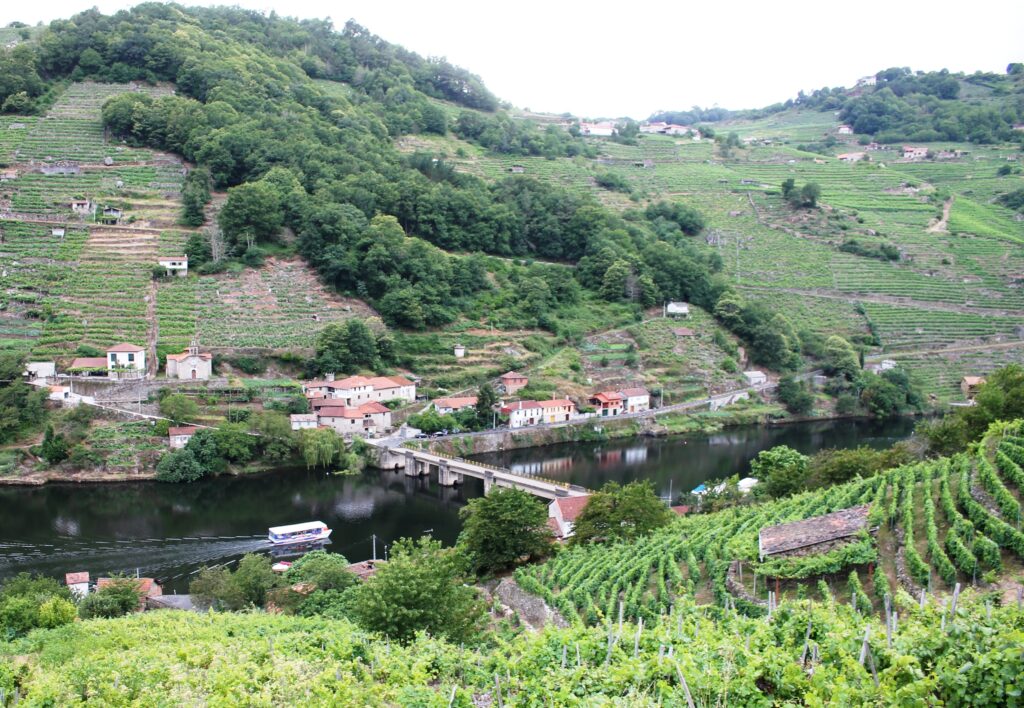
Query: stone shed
{"points": [[817, 534]]}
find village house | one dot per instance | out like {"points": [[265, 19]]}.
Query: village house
{"points": [[845, 130], [755, 377], [178, 437], [454, 404], [818, 534], [175, 265], [190, 364], [61, 167], [557, 410], [356, 390], [677, 309], [39, 370], [911, 152], [59, 394], [883, 365], [970, 385], [636, 400], [393, 388], [874, 147], [607, 403], [653, 128], [512, 382], [82, 207], [564, 511], [89, 366], [523, 413], [850, 157], [369, 419], [146, 587], [78, 583], [303, 421], [867, 81], [126, 361], [601, 129], [111, 215]]}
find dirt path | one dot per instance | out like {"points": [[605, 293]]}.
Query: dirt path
{"points": [[940, 226]]}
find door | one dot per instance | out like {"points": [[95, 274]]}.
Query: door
{"points": [[193, 373]]}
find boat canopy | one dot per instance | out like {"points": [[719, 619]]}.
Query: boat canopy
{"points": [[297, 528]]}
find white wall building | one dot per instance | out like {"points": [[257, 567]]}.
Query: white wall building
{"points": [[190, 364], [635, 400], [303, 421], [175, 265], [523, 413], [564, 511], [178, 437], [126, 359], [755, 377]]}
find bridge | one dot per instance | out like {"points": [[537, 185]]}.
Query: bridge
{"points": [[452, 470]]}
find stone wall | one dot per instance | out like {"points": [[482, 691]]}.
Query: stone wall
{"points": [[814, 549], [735, 587]]}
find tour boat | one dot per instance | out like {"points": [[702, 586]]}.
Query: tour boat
{"points": [[308, 532]]}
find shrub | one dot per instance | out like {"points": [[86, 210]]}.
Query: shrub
{"points": [[116, 599]]}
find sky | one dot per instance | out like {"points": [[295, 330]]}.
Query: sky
{"points": [[605, 59]]}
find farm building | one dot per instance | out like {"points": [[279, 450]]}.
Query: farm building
{"points": [[517, 169], [637, 399], [677, 309], [970, 386], [883, 365], [512, 382], [111, 215], [557, 410], [82, 207], [755, 377], [910, 152], [147, 588], [370, 419], [523, 413], [812, 536], [356, 390], [460, 351], [601, 129], [60, 394], [303, 421], [175, 265], [89, 365], [607, 403], [454, 404], [190, 364], [57, 231], [78, 583], [845, 130], [126, 361], [39, 370], [8, 175], [178, 437], [850, 157], [61, 167], [564, 511]]}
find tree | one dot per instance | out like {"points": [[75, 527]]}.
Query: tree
{"points": [[203, 446], [234, 442], [54, 448], [841, 358], [321, 447], [118, 598], [251, 213], [795, 396], [327, 571], [277, 439], [420, 589], [254, 578], [781, 470], [486, 399], [809, 195], [179, 466], [31, 601], [503, 527], [179, 408], [619, 512]]}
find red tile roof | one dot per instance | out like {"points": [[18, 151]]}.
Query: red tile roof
{"points": [[186, 355], [683, 332], [75, 578], [519, 406], [511, 375], [553, 525], [556, 403], [370, 408], [89, 362], [634, 392], [125, 347], [183, 430], [682, 509], [607, 396], [146, 586], [571, 507], [456, 402]]}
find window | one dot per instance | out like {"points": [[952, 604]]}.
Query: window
{"points": [[131, 358], [113, 359]]}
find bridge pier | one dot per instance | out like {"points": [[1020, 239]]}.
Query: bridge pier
{"points": [[445, 476], [413, 467], [488, 482]]}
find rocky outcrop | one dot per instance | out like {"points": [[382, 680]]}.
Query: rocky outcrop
{"points": [[531, 609]]}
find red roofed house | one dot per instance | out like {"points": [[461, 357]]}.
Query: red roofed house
{"points": [[512, 382], [368, 419], [126, 361], [78, 584], [454, 404], [190, 364], [608, 403], [637, 400], [179, 437], [557, 410], [88, 365], [147, 587], [523, 413], [356, 390], [910, 152], [390, 388], [565, 511]]}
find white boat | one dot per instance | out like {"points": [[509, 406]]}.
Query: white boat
{"points": [[299, 533]]}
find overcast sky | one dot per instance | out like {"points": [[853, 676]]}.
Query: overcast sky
{"points": [[635, 59]]}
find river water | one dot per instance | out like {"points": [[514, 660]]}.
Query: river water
{"points": [[170, 531]]}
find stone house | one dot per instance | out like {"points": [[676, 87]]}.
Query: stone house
{"points": [[368, 419], [82, 207], [911, 152], [970, 386], [356, 390], [454, 404], [755, 377], [178, 437], [844, 130], [512, 382], [818, 534], [190, 364], [303, 421]]}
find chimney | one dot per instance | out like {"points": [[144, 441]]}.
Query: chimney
{"points": [[328, 377]]}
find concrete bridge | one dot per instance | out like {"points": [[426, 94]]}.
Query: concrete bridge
{"points": [[451, 471]]}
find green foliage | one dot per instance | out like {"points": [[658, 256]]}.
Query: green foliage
{"points": [[28, 602], [54, 448], [118, 598], [327, 571], [248, 586], [781, 470], [21, 405], [320, 447], [349, 347], [834, 466], [857, 552], [419, 589], [179, 408], [503, 527], [795, 396], [618, 512], [179, 466]]}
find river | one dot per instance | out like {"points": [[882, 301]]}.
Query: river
{"points": [[170, 531]]}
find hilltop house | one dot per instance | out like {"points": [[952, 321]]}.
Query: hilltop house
{"points": [[677, 309], [178, 437], [126, 361], [911, 152], [636, 400], [175, 265], [755, 377], [970, 386], [190, 364], [369, 419], [607, 403], [557, 410], [564, 511], [303, 421], [812, 536], [512, 382], [454, 404], [523, 413]]}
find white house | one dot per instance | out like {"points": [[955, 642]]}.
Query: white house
{"points": [[179, 437], [557, 410], [82, 207], [635, 400], [78, 583], [35, 370], [844, 130], [563, 512], [523, 413], [850, 157], [910, 152], [303, 421], [460, 351], [677, 309], [57, 231], [454, 404], [755, 377], [126, 361], [368, 419], [390, 388], [60, 394], [599, 129], [356, 390], [175, 265], [190, 364]]}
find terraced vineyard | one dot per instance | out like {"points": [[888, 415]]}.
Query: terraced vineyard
{"points": [[940, 523]]}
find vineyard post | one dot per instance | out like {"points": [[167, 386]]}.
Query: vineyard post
{"points": [[564, 649], [686, 687], [497, 690], [636, 639], [922, 598], [888, 621], [864, 645], [943, 627], [807, 639], [451, 698], [579, 661], [956, 596]]}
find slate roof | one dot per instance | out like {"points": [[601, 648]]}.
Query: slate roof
{"points": [[809, 532]]}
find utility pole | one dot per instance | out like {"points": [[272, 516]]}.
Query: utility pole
{"points": [[374, 537]]}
